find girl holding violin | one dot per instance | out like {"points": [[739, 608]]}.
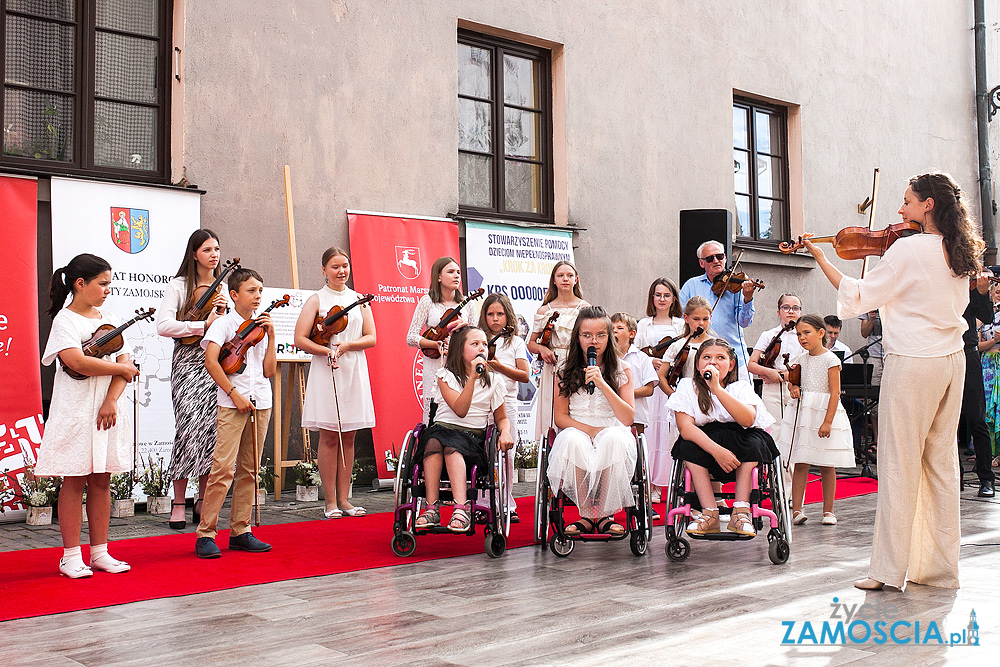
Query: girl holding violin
{"points": [[508, 359], [88, 434], [338, 401], [191, 387], [921, 288], [554, 320], [765, 361], [445, 293]]}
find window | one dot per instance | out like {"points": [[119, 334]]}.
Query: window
{"points": [[760, 139], [504, 129], [85, 87]]}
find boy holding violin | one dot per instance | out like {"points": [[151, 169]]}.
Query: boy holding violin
{"points": [[244, 403]]}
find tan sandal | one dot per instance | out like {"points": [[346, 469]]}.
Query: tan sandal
{"points": [[460, 519], [704, 523], [741, 522], [429, 519]]}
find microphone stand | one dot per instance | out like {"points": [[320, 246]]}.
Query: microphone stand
{"points": [[862, 452]]}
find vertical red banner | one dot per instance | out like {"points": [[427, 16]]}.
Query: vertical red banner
{"points": [[20, 382], [391, 257]]}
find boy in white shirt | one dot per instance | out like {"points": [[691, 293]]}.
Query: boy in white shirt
{"points": [[644, 378], [833, 324], [241, 395]]}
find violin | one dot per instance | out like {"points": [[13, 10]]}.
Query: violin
{"points": [[676, 368], [491, 346], [545, 337], [661, 347], [440, 332], [794, 371], [773, 349], [729, 281], [233, 355], [335, 321], [107, 340], [972, 281], [859, 242], [200, 306]]}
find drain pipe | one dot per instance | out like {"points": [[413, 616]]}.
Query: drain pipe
{"points": [[986, 203]]}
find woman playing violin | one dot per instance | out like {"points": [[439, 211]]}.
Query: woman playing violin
{"points": [[783, 338], [921, 289], [338, 413]]}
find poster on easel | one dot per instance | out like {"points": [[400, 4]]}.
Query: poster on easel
{"points": [[142, 232], [20, 381]]}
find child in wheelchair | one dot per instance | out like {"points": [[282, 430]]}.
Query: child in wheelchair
{"points": [[456, 439], [721, 420], [593, 457]]}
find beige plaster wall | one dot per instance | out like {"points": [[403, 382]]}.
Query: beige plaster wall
{"points": [[360, 99]]}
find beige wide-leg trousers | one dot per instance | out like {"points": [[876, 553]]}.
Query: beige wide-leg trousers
{"points": [[917, 528]]}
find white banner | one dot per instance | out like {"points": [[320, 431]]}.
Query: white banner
{"points": [[142, 232], [517, 262], [284, 319]]}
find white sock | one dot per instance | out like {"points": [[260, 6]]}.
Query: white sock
{"points": [[740, 503], [98, 550], [69, 553]]}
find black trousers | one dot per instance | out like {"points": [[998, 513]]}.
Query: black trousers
{"points": [[973, 421]]}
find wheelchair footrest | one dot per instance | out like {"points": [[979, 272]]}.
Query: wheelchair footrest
{"points": [[724, 535]]}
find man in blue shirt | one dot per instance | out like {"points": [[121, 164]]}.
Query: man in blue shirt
{"points": [[734, 311]]}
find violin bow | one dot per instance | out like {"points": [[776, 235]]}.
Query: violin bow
{"points": [[871, 218], [731, 270]]}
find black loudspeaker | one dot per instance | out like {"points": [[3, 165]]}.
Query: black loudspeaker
{"points": [[700, 225]]}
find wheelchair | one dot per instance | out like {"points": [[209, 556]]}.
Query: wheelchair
{"points": [[550, 506], [767, 483], [493, 512]]}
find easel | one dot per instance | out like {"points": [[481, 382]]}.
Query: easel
{"points": [[296, 371]]}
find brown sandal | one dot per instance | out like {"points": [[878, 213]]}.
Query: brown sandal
{"points": [[704, 523], [461, 520]]}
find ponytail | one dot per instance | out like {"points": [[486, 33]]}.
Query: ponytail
{"points": [[84, 266]]}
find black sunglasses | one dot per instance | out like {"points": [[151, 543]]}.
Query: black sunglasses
{"points": [[712, 258]]}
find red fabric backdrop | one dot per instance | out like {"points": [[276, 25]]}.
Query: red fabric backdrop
{"points": [[20, 382], [391, 257]]}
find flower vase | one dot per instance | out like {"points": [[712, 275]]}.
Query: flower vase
{"points": [[306, 494], [39, 516], [262, 496], [158, 505], [123, 508]]}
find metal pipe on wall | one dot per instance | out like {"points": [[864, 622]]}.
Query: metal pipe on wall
{"points": [[987, 205]]}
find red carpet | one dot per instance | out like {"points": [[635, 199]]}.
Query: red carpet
{"points": [[165, 566]]}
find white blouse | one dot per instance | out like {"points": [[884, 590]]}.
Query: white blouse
{"points": [[484, 400], [918, 297], [685, 400]]}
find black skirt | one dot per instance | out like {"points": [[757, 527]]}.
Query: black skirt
{"points": [[748, 444], [470, 444]]}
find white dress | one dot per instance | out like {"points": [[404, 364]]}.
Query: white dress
{"points": [[428, 314], [837, 451], [562, 331], [595, 474], [72, 446], [660, 429], [354, 391], [661, 463]]}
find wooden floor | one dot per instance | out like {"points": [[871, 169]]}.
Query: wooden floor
{"points": [[600, 606]]}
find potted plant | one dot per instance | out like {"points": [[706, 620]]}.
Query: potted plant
{"points": [[526, 461], [265, 481], [154, 483], [38, 494], [122, 502], [307, 481]]}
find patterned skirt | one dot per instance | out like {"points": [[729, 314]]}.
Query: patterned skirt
{"points": [[991, 383], [195, 413]]}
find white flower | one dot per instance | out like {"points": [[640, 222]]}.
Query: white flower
{"points": [[38, 499]]}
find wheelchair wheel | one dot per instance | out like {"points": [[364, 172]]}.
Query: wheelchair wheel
{"points": [[561, 546], [644, 497], [496, 544], [542, 493], [777, 550], [404, 544], [637, 543], [678, 549]]}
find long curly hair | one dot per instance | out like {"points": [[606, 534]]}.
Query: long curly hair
{"points": [[962, 240], [572, 372], [700, 385]]}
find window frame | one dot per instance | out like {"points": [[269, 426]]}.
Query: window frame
{"points": [[498, 47], [85, 98], [751, 106]]}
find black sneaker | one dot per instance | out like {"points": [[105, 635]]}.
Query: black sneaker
{"points": [[205, 547], [986, 490], [247, 542], [514, 518]]}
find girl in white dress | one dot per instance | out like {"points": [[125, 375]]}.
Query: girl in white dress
{"points": [[721, 420], [510, 361], [773, 393], [663, 319], [457, 438], [337, 417], [445, 292], [822, 431], [563, 300], [88, 434], [593, 457]]}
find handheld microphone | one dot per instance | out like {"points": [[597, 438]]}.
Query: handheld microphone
{"points": [[480, 366], [707, 375], [591, 361]]}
